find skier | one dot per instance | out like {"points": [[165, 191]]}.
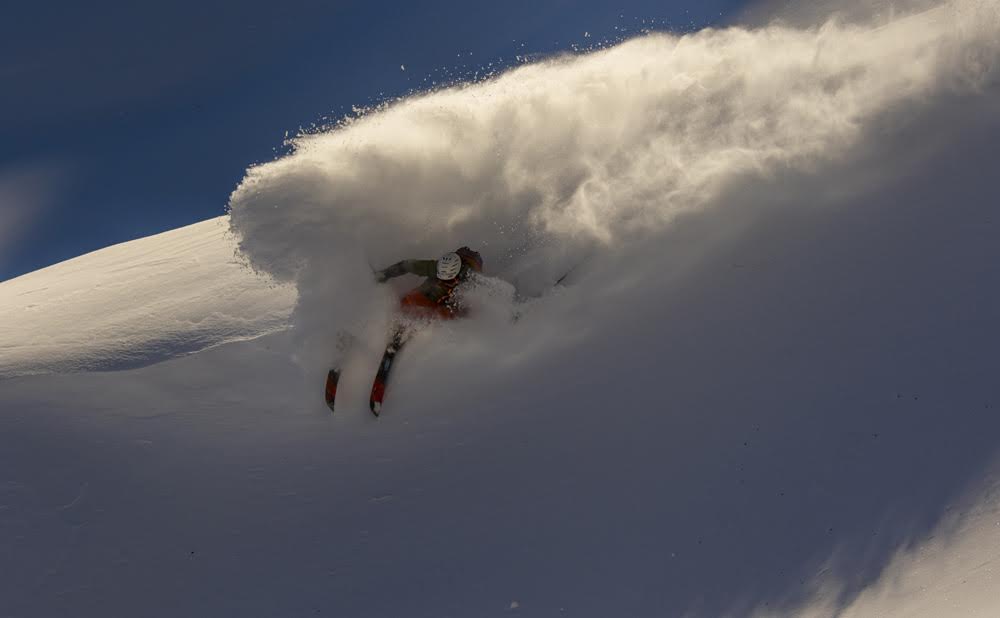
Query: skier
{"points": [[435, 298]]}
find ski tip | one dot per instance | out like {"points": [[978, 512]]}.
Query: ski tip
{"points": [[378, 392], [331, 387]]}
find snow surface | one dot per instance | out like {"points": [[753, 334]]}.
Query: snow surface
{"points": [[766, 386], [137, 303]]}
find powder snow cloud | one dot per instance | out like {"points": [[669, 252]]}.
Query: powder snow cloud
{"points": [[552, 163]]}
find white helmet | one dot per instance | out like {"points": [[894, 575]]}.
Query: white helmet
{"points": [[449, 266]]}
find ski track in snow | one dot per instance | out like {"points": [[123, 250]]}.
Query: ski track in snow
{"points": [[767, 386]]}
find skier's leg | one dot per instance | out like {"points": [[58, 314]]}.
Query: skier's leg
{"points": [[400, 335]]}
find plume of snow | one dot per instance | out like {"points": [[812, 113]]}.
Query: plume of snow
{"points": [[552, 163]]}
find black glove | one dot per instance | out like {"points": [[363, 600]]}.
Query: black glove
{"points": [[380, 276]]}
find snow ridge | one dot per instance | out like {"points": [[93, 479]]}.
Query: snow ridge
{"points": [[137, 303]]}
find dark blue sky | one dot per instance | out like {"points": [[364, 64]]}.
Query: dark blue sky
{"points": [[123, 119]]}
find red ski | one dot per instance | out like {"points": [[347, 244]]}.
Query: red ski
{"points": [[345, 341], [332, 378], [382, 377]]}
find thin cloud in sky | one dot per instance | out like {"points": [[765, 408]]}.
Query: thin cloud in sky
{"points": [[26, 193]]}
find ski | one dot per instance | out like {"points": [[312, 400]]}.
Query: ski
{"points": [[345, 341], [382, 377], [378, 387], [332, 378]]}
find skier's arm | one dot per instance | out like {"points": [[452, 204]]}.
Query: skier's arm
{"points": [[423, 268]]}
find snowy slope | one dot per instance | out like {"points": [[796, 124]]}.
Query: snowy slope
{"points": [[766, 387], [137, 303]]}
